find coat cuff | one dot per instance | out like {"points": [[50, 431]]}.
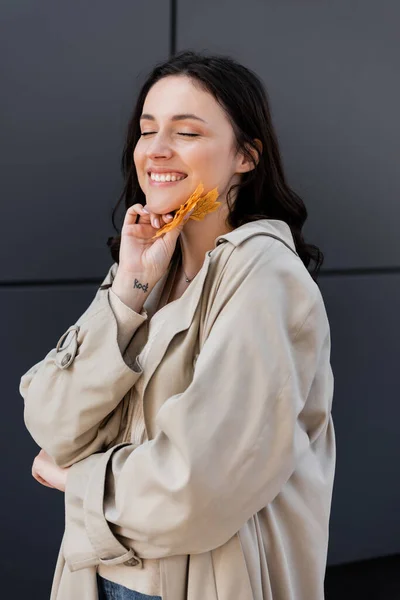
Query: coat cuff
{"points": [[128, 321], [89, 540]]}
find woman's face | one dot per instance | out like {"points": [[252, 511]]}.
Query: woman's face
{"points": [[207, 155]]}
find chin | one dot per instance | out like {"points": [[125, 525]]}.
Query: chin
{"points": [[161, 208]]}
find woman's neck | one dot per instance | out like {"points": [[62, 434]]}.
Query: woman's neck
{"points": [[198, 237]]}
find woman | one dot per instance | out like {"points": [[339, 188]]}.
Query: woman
{"points": [[187, 414]]}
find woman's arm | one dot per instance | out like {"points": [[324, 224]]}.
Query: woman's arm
{"points": [[73, 396], [226, 445]]}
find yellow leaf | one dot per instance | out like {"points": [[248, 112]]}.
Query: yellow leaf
{"points": [[202, 206]]}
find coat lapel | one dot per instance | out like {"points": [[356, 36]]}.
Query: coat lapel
{"points": [[170, 320]]}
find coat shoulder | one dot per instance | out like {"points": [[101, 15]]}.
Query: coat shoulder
{"points": [[262, 258], [260, 271]]}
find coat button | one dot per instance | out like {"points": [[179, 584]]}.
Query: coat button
{"points": [[74, 328], [132, 562], [66, 358], [65, 353]]}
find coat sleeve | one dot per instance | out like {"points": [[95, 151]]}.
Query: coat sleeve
{"points": [[226, 445], [73, 397]]}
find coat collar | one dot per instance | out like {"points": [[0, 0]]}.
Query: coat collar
{"points": [[271, 227]]}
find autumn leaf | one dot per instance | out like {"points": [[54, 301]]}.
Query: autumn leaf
{"points": [[202, 206]]}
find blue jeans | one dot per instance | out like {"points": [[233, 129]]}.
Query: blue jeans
{"points": [[108, 590]]}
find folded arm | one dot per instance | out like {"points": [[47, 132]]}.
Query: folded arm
{"points": [[73, 397]]}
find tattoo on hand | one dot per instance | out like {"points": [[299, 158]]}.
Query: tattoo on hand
{"points": [[141, 286]]}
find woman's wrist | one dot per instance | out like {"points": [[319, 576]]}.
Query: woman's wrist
{"points": [[132, 289]]}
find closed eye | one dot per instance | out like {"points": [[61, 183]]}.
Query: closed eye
{"points": [[180, 133]]}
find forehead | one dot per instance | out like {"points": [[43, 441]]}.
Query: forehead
{"points": [[177, 95]]}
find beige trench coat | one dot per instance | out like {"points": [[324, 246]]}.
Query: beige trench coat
{"points": [[232, 490]]}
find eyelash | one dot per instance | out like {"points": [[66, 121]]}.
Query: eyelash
{"points": [[180, 133]]}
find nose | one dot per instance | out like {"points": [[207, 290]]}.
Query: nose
{"points": [[158, 148]]}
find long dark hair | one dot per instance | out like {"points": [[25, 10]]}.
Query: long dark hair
{"points": [[263, 192]]}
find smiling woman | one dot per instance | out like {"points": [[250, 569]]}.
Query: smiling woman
{"points": [[188, 417], [226, 112]]}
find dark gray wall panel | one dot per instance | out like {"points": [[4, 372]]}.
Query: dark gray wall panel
{"points": [[365, 325], [33, 515], [70, 72], [331, 72]]}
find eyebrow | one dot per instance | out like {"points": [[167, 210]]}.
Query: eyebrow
{"points": [[180, 117]]}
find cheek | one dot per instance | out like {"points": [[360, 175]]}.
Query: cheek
{"points": [[209, 158], [210, 166], [139, 153], [137, 157], [139, 163]]}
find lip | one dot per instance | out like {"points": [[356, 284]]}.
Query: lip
{"points": [[164, 170]]}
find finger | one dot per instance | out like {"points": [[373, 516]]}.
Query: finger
{"points": [[156, 220], [167, 218], [174, 233], [40, 479], [185, 219], [136, 214], [44, 482], [140, 215]]}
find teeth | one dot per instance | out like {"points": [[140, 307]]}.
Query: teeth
{"points": [[166, 177]]}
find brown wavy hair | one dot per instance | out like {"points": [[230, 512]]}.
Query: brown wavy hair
{"points": [[263, 192]]}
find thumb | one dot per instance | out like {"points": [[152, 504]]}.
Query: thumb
{"points": [[173, 234]]}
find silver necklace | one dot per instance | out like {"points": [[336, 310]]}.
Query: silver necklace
{"points": [[187, 279]]}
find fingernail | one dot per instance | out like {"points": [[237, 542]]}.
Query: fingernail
{"points": [[145, 210], [169, 217], [157, 222]]}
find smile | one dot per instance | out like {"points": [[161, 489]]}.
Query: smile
{"points": [[165, 178]]}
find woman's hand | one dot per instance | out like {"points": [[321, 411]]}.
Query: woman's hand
{"points": [[46, 472], [140, 255]]}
